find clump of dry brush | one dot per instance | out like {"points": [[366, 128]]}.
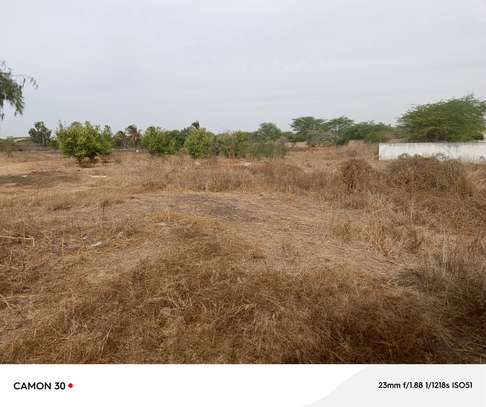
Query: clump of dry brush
{"points": [[414, 174], [208, 296]]}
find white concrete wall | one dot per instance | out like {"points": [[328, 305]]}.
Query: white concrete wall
{"points": [[473, 151]]}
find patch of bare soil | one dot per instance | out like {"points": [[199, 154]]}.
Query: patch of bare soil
{"points": [[36, 179]]}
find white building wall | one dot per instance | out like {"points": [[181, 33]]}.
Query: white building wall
{"points": [[472, 152]]}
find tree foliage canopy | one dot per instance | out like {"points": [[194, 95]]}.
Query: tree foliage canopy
{"points": [[457, 119], [11, 89], [371, 132], [158, 141], [303, 126], [40, 134], [134, 136], [268, 131], [84, 141], [337, 125], [198, 142]]}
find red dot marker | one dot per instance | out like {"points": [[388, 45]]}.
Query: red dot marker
{"points": [[70, 385]]}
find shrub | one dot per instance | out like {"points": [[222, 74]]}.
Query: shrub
{"points": [[448, 120], [179, 137], [270, 149], [8, 146], [302, 127], [268, 131], [197, 142], [234, 145], [158, 141], [40, 134], [455, 275], [379, 136], [215, 146], [120, 139], [84, 141], [371, 132], [106, 141], [356, 174], [134, 136], [53, 143], [242, 144], [429, 174], [317, 138]]}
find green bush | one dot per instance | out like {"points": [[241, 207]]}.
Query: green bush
{"points": [[304, 126], [84, 141], [448, 120], [179, 137], [267, 132], [106, 141], [241, 144], [158, 141], [120, 139], [53, 143], [234, 145], [40, 134], [271, 149], [134, 136], [371, 132], [379, 136], [316, 138], [198, 142]]}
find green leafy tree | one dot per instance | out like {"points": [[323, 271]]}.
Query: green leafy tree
{"points": [[158, 141], [457, 119], [235, 144], [332, 131], [107, 142], [84, 141], [337, 125], [120, 139], [295, 138], [268, 131], [134, 136], [266, 148], [371, 132], [40, 134], [11, 89], [198, 142], [304, 126], [179, 137], [319, 137]]}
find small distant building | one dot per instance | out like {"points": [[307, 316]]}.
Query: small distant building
{"points": [[469, 152]]}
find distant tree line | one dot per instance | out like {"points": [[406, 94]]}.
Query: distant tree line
{"points": [[339, 130], [85, 142], [452, 120], [460, 119]]}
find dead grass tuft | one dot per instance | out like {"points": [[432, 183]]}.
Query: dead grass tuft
{"points": [[356, 174], [456, 275], [210, 300], [416, 174]]}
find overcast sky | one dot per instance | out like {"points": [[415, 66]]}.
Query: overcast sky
{"points": [[234, 64]]}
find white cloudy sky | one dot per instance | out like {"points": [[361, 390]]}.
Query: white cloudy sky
{"points": [[234, 64]]}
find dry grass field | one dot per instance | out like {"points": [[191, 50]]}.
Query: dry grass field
{"points": [[324, 256]]}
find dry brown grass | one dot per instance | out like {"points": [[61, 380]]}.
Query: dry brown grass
{"points": [[323, 256]]}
